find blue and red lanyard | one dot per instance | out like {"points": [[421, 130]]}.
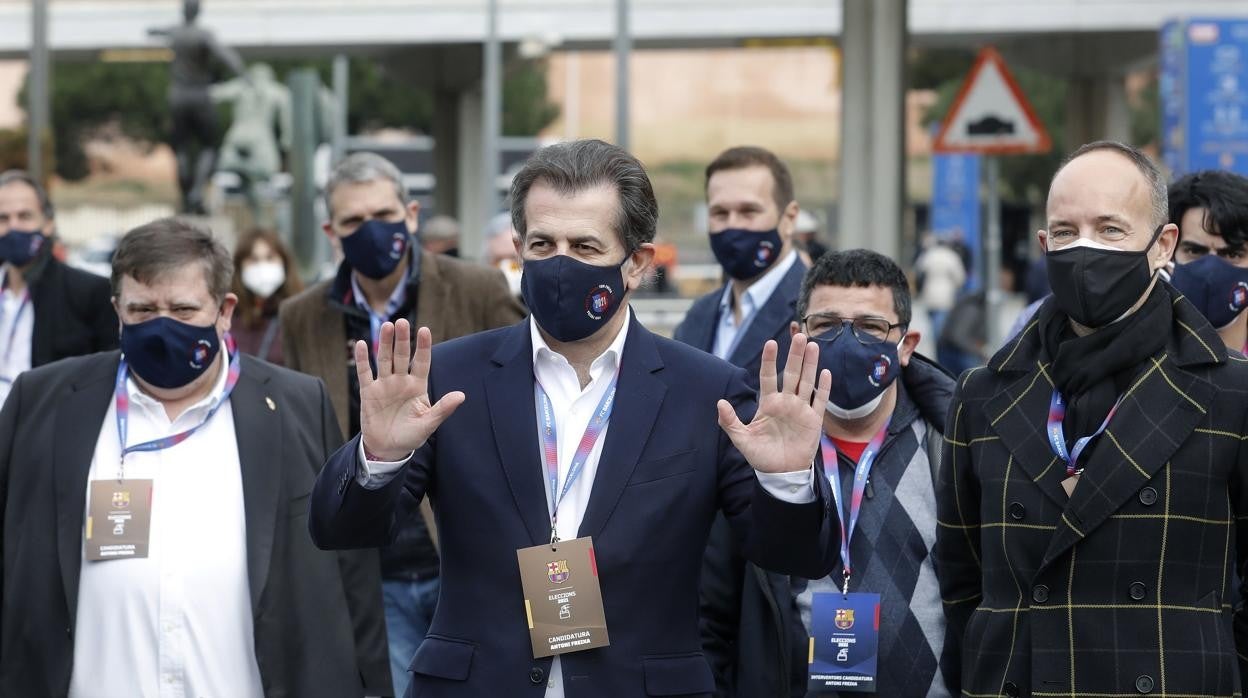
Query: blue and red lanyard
{"points": [[831, 468], [1057, 436], [121, 400], [550, 445]]}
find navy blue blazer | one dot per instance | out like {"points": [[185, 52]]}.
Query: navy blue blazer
{"points": [[666, 469], [770, 322]]}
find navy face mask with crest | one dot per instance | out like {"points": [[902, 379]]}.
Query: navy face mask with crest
{"points": [[376, 247], [169, 353], [1217, 288], [570, 299], [19, 247], [860, 372], [744, 254]]}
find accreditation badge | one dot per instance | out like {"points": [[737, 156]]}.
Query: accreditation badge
{"points": [[119, 519], [845, 642], [562, 598]]}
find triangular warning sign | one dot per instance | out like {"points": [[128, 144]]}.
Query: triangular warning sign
{"points": [[991, 115]]}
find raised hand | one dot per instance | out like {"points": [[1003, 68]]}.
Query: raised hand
{"points": [[784, 434], [396, 416]]}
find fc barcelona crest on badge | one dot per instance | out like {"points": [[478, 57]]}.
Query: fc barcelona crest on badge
{"points": [[557, 571], [121, 500], [879, 370], [199, 354], [844, 618], [598, 302]]}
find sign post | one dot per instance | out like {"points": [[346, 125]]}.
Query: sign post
{"points": [[990, 116]]}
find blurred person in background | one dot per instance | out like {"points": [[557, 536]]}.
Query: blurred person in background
{"points": [[1211, 210], [940, 277], [154, 504], [440, 235], [805, 237], [264, 275], [385, 276], [48, 310], [500, 250], [751, 212]]}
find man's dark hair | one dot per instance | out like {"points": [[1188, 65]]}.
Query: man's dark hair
{"points": [[166, 245], [575, 166], [21, 176], [861, 268], [1223, 195], [1152, 173], [745, 156]]}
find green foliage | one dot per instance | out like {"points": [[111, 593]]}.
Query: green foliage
{"points": [[930, 69], [94, 99], [1023, 177], [1146, 116], [525, 109]]}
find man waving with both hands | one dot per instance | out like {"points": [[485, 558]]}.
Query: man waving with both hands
{"points": [[574, 462]]}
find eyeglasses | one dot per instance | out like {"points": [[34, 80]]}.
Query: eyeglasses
{"points": [[867, 330]]}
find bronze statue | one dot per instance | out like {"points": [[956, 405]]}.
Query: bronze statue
{"points": [[197, 59]]}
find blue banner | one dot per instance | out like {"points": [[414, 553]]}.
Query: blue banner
{"points": [[1204, 94], [955, 204]]}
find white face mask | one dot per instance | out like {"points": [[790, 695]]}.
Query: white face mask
{"points": [[264, 278], [857, 412]]}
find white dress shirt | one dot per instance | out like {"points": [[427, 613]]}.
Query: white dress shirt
{"points": [[758, 293], [17, 330], [178, 623], [573, 407]]}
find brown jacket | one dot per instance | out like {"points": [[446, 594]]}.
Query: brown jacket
{"points": [[457, 298]]}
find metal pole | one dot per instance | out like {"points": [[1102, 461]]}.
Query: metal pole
{"points": [[623, 48], [338, 144], [492, 107], [992, 257], [37, 104], [304, 86]]}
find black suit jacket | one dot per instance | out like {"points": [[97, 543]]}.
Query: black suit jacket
{"points": [[73, 311], [319, 629], [1127, 586], [770, 322], [666, 468]]}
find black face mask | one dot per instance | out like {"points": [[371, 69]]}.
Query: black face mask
{"points": [[1096, 286]]}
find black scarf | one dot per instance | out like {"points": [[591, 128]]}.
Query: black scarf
{"points": [[1092, 372]]}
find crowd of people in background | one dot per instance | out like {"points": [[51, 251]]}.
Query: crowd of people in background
{"points": [[216, 481]]}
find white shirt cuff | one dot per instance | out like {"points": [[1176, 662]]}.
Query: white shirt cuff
{"points": [[797, 487], [375, 474]]}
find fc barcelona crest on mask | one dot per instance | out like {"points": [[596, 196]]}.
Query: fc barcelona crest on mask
{"points": [[762, 256], [1239, 297], [557, 571], [200, 354], [598, 302], [879, 370], [844, 618], [398, 244]]}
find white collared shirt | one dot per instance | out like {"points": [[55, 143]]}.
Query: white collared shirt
{"points": [[758, 293], [178, 623], [17, 331], [572, 408]]}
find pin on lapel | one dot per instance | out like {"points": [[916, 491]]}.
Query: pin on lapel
{"points": [[269, 401]]}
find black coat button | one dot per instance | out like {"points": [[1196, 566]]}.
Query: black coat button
{"points": [[536, 675], [1148, 497], [1144, 684], [1138, 591], [1017, 511], [1040, 593], [1011, 689]]}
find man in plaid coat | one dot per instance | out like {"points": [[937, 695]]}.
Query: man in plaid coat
{"points": [[1102, 566]]}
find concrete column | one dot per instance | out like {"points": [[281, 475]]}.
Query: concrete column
{"points": [[470, 149], [446, 162], [873, 43], [1097, 109]]}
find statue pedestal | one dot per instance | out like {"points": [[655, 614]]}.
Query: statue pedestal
{"points": [[222, 227]]}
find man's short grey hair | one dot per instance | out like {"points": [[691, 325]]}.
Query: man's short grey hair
{"points": [[1158, 193], [165, 246], [576, 166], [359, 168], [440, 228], [22, 177]]}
